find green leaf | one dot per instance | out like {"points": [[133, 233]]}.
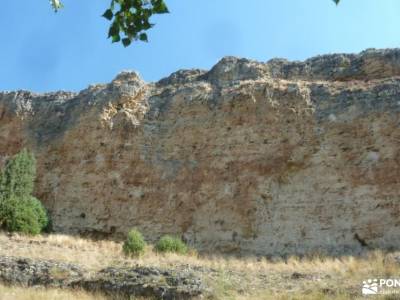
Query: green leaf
{"points": [[143, 37], [126, 42], [108, 14], [336, 1], [146, 25], [116, 38], [160, 7], [114, 30]]}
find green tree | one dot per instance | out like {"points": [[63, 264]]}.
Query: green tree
{"points": [[18, 176], [19, 210], [130, 19]]}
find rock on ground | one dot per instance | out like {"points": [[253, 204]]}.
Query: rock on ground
{"points": [[123, 282]]}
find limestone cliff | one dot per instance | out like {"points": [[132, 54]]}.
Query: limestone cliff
{"points": [[249, 157]]}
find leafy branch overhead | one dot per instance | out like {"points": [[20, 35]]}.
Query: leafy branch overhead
{"points": [[130, 19]]}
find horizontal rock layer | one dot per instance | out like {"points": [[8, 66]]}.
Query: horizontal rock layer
{"points": [[118, 283], [254, 158]]}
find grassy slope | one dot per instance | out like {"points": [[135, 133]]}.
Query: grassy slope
{"points": [[317, 277]]}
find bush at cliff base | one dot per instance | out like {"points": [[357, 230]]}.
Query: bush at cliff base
{"points": [[134, 244], [19, 210], [23, 215], [171, 244]]}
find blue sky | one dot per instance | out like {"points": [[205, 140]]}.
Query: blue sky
{"points": [[43, 51]]}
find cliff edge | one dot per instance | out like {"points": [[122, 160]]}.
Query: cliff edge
{"points": [[249, 157]]}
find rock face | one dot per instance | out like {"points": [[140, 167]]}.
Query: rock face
{"points": [[258, 158], [122, 282]]}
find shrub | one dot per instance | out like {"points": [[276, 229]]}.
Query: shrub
{"points": [[19, 210], [134, 244], [171, 244], [23, 215]]}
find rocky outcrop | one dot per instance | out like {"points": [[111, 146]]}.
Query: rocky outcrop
{"points": [[259, 158], [115, 282]]}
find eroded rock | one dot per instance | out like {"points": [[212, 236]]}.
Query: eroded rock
{"points": [[122, 282], [274, 158]]}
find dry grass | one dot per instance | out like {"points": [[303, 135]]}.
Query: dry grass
{"points": [[231, 278], [19, 293], [93, 255]]}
